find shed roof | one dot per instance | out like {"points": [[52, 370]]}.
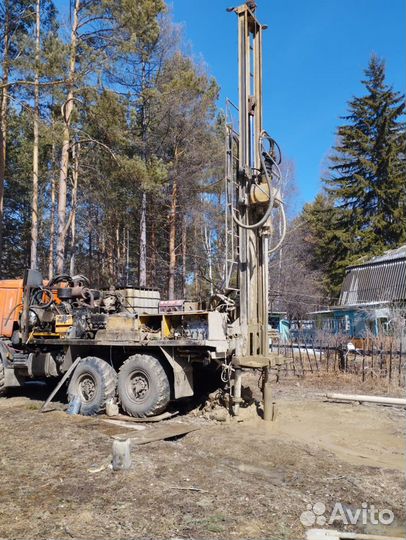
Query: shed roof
{"points": [[389, 255], [380, 279]]}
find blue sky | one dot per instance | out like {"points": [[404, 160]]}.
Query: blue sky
{"points": [[314, 55]]}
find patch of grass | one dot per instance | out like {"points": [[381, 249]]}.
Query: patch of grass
{"points": [[214, 523], [33, 407]]}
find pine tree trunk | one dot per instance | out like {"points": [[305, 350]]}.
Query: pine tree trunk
{"points": [[127, 254], [207, 243], [102, 250], [143, 242], [184, 252], [110, 259], [52, 216], [2, 171], [90, 266], [195, 263], [142, 279], [34, 218], [152, 268], [118, 254], [52, 225], [172, 241], [3, 117], [63, 176], [75, 176]]}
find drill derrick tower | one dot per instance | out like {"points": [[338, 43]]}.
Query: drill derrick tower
{"points": [[252, 193]]}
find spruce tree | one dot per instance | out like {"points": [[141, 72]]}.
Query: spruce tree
{"points": [[368, 170], [325, 244]]}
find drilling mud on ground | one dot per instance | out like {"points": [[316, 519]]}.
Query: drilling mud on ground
{"points": [[245, 479]]}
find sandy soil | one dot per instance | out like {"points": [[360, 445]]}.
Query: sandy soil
{"points": [[249, 479]]}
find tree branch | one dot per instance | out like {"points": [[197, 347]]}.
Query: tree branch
{"points": [[32, 83]]}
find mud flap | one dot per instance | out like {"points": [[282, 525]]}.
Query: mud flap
{"points": [[182, 373]]}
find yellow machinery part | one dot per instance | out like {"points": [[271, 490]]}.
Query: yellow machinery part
{"points": [[63, 324]]}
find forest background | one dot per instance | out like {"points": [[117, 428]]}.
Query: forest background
{"points": [[112, 161]]}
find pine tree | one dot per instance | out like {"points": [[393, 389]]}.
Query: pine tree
{"points": [[143, 127], [103, 33], [327, 246], [368, 169], [187, 135], [15, 23]]}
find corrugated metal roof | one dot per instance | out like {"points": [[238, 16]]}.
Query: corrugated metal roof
{"points": [[390, 255], [380, 279]]}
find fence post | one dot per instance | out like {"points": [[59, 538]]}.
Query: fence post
{"points": [[335, 357], [364, 353], [400, 363], [293, 358], [321, 355], [308, 357], [372, 359], [390, 362], [328, 355], [342, 360], [315, 356], [301, 360]]}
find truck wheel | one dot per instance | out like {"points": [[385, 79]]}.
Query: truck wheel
{"points": [[2, 380], [143, 386], [94, 381]]}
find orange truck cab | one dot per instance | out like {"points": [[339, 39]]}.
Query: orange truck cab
{"points": [[11, 295]]}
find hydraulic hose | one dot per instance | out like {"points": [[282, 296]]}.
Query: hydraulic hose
{"points": [[40, 303], [268, 211], [283, 234], [60, 279]]}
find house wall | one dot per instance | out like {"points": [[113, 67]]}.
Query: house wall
{"points": [[356, 322]]}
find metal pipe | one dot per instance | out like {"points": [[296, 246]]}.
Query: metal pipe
{"points": [[267, 396], [368, 399], [329, 534], [237, 391]]}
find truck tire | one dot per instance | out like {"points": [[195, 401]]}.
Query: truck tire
{"points": [[3, 387], [94, 381], [143, 386], [4, 349]]}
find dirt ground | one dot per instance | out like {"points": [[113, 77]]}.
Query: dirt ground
{"points": [[229, 479]]}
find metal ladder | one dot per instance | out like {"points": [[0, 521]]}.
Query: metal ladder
{"points": [[231, 281]]}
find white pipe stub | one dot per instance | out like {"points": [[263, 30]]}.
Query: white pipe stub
{"points": [[384, 400], [331, 534]]}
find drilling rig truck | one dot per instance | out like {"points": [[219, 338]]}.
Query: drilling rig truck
{"points": [[128, 349]]}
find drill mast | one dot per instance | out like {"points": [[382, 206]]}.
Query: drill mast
{"points": [[251, 196]]}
